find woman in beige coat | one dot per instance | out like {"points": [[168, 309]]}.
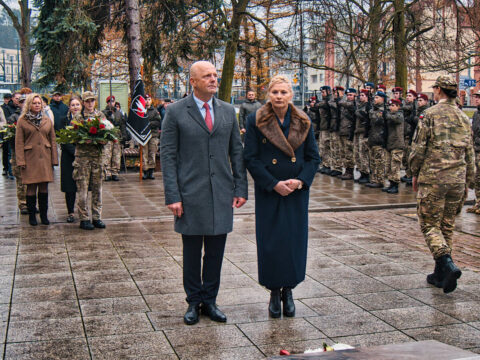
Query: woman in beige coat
{"points": [[36, 152]]}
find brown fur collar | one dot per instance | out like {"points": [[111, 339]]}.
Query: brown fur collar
{"points": [[267, 123]]}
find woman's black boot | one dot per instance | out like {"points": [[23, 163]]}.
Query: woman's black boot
{"points": [[43, 207], [275, 308], [288, 304], [32, 209]]}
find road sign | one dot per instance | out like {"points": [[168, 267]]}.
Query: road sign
{"points": [[469, 82]]}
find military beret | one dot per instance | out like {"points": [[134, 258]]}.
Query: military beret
{"points": [[313, 98], [339, 88], [364, 91], [397, 89], [147, 96], [381, 94], [445, 82], [23, 97], [350, 91], [394, 102], [326, 88], [381, 86], [413, 92], [422, 96], [110, 98], [87, 95], [371, 84]]}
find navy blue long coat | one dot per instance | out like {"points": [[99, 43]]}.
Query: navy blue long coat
{"points": [[281, 221]]}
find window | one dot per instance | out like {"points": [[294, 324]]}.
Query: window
{"points": [[313, 79]]}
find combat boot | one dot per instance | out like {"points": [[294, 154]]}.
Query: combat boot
{"points": [[348, 174], [43, 207], [436, 278], [374, 185], [364, 179], [386, 188], [32, 209], [150, 174], [108, 178], [274, 307], [405, 178], [327, 171], [288, 304], [145, 175], [86, 225], [335, 173], [451, 273], [393, 188]]}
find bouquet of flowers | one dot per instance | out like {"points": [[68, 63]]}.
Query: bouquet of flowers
{"points": [[93, 131], [7, 132]]}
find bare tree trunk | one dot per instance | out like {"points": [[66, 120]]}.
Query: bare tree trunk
{"points": [[248, 57], [225, 89], [374, 31], [134, 41], [400, 46]]}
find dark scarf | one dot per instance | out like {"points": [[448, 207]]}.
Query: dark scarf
{"points": [[35, 119], [267, 124]]}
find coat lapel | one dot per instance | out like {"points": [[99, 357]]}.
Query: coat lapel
{"points": [[218, 114], [195, 113], [267, 124]]}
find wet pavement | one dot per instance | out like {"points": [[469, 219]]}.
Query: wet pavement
{"points": [[117, 293]]}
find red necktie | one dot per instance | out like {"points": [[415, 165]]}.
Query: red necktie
{"points": [[208, 117]]}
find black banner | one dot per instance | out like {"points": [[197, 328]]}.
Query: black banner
{"points": [[137, 124]]}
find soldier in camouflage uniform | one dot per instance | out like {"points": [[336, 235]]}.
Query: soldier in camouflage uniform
{"points": [[347, 128], [442, 165], [376, 141], [476, 145], [112, 153], [395, 145], [88, 172], [360, 140], [409, 113], [335, 159], [324, 128], [21, 188], [150, 149]]}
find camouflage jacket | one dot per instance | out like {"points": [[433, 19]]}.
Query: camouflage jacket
{"points": [[334, 119], [347, 117], [324, 113], [442, 149], [395, 139], [476, 130], [361, 113], [377, 128]]}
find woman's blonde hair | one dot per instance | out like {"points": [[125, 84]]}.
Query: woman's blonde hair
{"points": [[280, 79], [28, 103]]}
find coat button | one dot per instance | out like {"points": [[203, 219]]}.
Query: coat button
{"points": [[274, 161], [264, 141], [294, 159]]}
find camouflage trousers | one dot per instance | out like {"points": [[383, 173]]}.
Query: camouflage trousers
{"points": [[477, 179], [112, 158], [406, 154], [361, 153], [21, 188], [377, 164], [324, 147], [335, 160], [437, 206], [393, 164], [148, 153], [346, 152], [88, 173]]}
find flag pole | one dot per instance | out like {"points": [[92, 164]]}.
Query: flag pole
{"points": [[139, 145]]}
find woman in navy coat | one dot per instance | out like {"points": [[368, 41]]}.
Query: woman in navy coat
{"points": [[282, 156]]}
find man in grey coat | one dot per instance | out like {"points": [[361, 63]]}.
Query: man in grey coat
{"points": [[205, 179]]}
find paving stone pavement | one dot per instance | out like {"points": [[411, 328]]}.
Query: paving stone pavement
{"points": [[117, 293]]}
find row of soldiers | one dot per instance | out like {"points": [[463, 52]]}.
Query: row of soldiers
{"points": [[366, 131]]}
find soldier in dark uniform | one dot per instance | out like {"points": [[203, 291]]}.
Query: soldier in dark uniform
{"points": [[360, 140], [442, 163], [409, 113], [347, 128]]}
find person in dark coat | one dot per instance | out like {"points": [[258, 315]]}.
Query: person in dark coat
{"points": [[59, 109], [282, 156], [204, 178], [67, 184]]}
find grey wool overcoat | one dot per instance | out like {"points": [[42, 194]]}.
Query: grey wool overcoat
{"points": [[202, 169]]}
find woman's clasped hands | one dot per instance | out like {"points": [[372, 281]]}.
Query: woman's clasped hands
{"points": [[286, 187]]}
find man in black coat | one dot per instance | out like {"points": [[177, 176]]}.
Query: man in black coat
{"points": [[7, 109], [59, 109], [205, 179]]}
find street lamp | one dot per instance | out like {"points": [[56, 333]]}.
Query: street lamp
{"points": [[11, 66], [4, 69]]}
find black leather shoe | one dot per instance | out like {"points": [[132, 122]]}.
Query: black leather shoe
{"points": [[115, 178], [213, 312], [288, 304], [70, 218], [98, 224], [86, 225], [191, 316], [275, 307], [451, 273], [150, 174]]}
